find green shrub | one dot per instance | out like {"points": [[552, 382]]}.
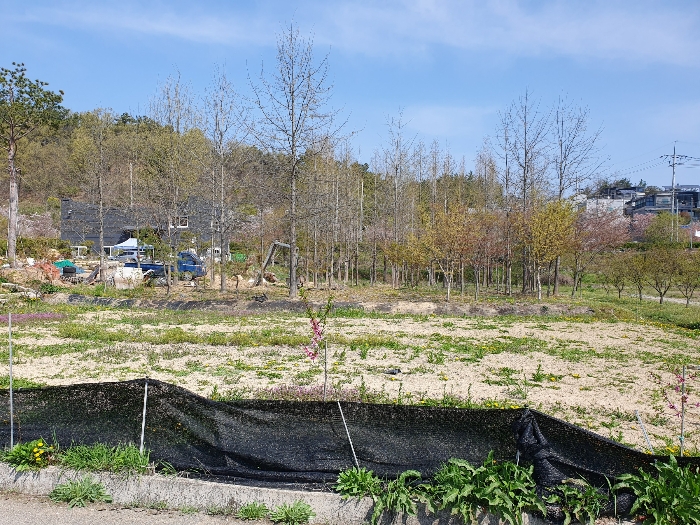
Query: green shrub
{"points": [[297, 513], [78, 493], [669, 496], [252, 511], [30, 456], [48, 288]]}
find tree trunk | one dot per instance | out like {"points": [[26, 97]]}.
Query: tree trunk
{"points": [[538, 271], [557, 265], [293, 233], [509, 277], [13, 208], [222, 285]]}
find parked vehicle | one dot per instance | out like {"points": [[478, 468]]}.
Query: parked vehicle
{"points": [[189, 266], [132, 255]]}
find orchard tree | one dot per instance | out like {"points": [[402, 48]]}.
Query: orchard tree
{"points": [[688, 275], [595, 232], [25, 105], [663, 268]]}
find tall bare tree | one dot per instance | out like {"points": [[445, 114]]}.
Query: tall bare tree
{"points": [[529, 151], [576, 154], [226, 126], [293, 118]]}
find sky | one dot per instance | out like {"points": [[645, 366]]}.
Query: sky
{"points": [[448, 68]]}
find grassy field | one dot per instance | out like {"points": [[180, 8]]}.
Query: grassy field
{"points": [[595, 369]]}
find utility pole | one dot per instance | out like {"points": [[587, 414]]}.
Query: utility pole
{"points": [[673, 161]]}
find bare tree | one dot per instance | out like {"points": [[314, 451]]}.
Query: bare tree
{"points": [[529, 150], [397, 157], [90, 156], [226, 125], [576, 154], [172, 157], [293, 119]]}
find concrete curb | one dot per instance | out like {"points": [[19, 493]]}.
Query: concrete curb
{"points": [[176, 492]]}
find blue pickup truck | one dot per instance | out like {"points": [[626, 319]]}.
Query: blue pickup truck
{"points": [[189, 266]]}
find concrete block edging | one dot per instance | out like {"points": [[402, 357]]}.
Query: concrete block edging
{"points": [[177, 492]]}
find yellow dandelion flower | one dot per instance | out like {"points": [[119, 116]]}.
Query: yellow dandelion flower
{"points": [[575, 376], [36, 449], [40, 444], [552, 378]]}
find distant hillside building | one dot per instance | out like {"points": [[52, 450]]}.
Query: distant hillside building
{"points": [[686, 200]]}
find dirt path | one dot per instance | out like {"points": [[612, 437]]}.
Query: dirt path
{"points": [[20, 509]]}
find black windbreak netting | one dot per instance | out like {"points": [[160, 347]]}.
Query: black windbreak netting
{"points": [[304, 442]]}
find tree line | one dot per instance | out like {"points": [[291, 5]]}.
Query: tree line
{"points": [[279, 164]]}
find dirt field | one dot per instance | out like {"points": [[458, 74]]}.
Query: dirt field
{"points": [[594, 374]]}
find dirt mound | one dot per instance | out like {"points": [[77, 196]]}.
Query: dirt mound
{"points": [[243, 307]]}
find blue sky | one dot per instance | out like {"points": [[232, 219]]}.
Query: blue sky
{"points": [[451, 66]]}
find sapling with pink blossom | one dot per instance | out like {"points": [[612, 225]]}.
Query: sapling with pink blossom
{"points": [[683, 398], [317, 319]]}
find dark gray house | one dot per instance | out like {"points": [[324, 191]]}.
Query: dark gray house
{"points": [[80, 222], [685, 201]]}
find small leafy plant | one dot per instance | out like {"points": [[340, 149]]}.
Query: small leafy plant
{"points": [[578, 500], [252, 511], [399, 496], [31, 456], [502, 488], [78, 493], [297, 513], [668, 497], [358, 483]]}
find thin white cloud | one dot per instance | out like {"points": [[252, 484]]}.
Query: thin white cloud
{"points": [[207, 26], [632, 31]]}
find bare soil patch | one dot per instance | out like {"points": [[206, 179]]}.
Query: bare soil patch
{"points": [[594, 374]]}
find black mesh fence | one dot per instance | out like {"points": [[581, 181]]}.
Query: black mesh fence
{"points": [[306, 442]]}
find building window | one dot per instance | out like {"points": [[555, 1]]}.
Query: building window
{"points": [[180, 222]]}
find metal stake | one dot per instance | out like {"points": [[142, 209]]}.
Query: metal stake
{"points": [[12, 405], [325, 370], [644, 431], [143, 419], [682, 438], [352, 448]]}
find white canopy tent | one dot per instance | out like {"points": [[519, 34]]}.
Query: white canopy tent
{"points": [[131, 244]]}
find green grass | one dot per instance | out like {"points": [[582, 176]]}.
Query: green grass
{"points": [[18, 382], [100, 457], [78, 493]]}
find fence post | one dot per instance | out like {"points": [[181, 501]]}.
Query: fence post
{"points": [[12, 407], [325, 370], [348, 433], [143, 419]]}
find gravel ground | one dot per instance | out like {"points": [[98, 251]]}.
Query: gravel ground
{"points": [[20, 509]]}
